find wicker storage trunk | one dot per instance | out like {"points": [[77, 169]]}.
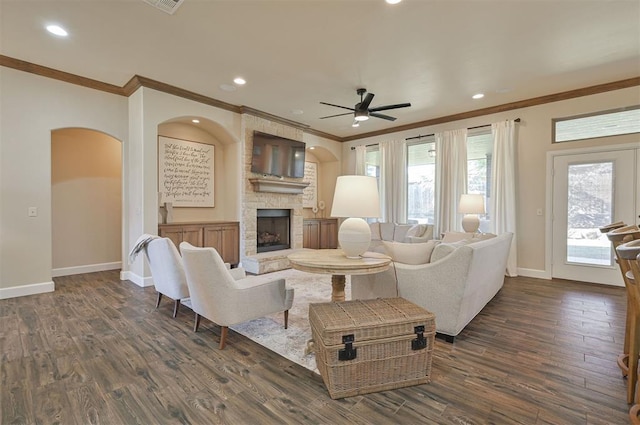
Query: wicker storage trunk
{"points": [[364, 346]]}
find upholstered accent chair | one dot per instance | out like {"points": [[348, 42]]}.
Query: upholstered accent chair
{"points": [[226, 299], [167, 271]]}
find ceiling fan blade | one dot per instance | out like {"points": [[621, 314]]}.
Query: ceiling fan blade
{"points": [[337, 106], [338, 115], [387, 107], [366, 102], [384, 117]]}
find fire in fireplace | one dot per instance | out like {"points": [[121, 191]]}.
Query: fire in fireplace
{"points": [[273, 229]]}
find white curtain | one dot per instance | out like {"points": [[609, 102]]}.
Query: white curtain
{"points": [[503, 186], [361, 160], [451, 178], [393, 181]]}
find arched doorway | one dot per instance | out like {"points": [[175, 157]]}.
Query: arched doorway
{"points": [[86, 201]]}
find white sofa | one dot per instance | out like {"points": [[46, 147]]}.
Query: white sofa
{"points": [[394, 232], [459, 281]]}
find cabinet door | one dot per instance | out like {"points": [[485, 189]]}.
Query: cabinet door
{"points": [[311, 234], [173, 233], [329, 234], [193, 235], [230, 244], [225, 239]]}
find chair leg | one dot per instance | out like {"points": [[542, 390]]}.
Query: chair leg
{"points": [[158, 300], [223, 336], [196, 324], [634, 348], [633, 414], [176, 306], [286, 319]]}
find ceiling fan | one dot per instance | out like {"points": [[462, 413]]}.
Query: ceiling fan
{"points": [[362, 112]]}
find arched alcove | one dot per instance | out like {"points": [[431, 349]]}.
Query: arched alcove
{"points": [[328, 170], [86, 201], [227, 160]]}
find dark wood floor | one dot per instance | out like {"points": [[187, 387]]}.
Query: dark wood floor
{"points": [[97, 352]]}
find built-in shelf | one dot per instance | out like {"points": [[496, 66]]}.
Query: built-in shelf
{"points": [[278, 186]]}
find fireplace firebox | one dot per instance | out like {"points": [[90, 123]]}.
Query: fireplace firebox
{"points": [[273, 229]]}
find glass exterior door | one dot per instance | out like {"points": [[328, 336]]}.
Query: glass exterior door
{"points": [[590, 191]]}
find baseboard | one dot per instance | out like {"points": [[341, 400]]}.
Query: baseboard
{"points": [[538, 274], [91, 268], [24, 290], [138, 280]]}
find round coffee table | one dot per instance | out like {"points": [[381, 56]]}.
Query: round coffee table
{"points": [[335, 263]]}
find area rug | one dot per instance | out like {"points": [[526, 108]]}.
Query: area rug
{"points": [[292, 343]]}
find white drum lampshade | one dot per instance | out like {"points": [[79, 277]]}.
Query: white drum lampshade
{"points": [[355, 197], [471, 206]]}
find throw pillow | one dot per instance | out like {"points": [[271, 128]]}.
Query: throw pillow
{"points": [[443, 249], [410, 253]]}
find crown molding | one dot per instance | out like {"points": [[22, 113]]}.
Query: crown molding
{"points": [[138, 81], [67, 77], [541, 100]]}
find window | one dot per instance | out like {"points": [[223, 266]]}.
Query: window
{"points": [[421, 187], [372, 162], [600, 124], [479, 154]]}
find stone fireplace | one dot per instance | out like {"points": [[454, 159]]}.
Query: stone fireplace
{"points": [[271, 193], [273, 227]]}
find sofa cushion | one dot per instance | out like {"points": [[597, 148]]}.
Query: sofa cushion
{"points": [[375, 231], [400, 232], [456, 236], [417, 230], [386, 231], [416, 253]]}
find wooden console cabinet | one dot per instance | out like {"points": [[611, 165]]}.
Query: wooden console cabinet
{"points": [[224, 236], [320, 233]]}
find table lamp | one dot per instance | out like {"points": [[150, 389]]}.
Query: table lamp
{"points": [[355, 197], [471, 206]]}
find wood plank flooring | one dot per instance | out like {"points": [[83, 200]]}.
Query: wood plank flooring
{"points": [[96, 351]]}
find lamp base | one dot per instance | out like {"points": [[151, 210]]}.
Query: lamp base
{"points": [[471, 223], [354, 237]]}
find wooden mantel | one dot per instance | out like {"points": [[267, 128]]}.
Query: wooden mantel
{"points": [[278, 186]]}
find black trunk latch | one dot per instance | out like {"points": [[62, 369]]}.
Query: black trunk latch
{"points": [[348, 353], [420, 342]]}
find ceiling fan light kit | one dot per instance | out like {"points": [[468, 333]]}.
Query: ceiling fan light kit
{"points": [[362, 112]]}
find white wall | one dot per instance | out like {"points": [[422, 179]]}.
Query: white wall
{"points": [[534, 141], [30, 108]]}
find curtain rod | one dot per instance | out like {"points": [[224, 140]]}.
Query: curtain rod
{"points": [[470, 128], [428, 135]]}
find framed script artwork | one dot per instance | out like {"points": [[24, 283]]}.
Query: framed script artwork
{"points": [[310, 193], [185, 172]]}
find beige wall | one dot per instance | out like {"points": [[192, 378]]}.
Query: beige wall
{"points": [[31, 107], [86, 200], [222, 195], [533, 144]]}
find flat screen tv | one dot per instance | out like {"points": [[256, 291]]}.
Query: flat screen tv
{"points": [[277, 156]]}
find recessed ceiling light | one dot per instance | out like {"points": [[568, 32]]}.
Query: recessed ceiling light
{"points": [[297, 111], [239, 81], [57, 30], [393, 1], [227, 87], [478, 96], [195, 121], [312, 148]]}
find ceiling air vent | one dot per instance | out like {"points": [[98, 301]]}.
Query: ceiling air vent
{"points": [[168, 6]]}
